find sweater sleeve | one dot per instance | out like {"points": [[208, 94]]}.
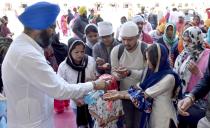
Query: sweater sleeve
{"points": [[203, 87], [162, 86], [96, 53], [114, 59]]}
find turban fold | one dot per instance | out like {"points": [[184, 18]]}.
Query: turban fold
{"points": [[39, 16]]}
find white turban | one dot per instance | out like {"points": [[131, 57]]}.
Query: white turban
{"points": [[138, 18], [129, 29], [105, 28]]}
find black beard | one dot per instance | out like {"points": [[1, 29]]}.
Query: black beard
{"points": [[44, 40]]}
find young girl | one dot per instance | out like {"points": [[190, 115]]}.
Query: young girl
{"points": [[91, 33], [155, 93], [78, 68], [107, 114]]}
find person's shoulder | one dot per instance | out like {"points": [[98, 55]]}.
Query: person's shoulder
{"points": [[207, 50], [23, 47], [169, 78], [116, 42], [116, 48], [63, 64], [91, 59], [97, 45]]}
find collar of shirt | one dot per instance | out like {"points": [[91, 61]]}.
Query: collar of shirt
{"points": [[32, 42]]}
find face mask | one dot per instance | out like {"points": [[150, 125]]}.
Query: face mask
{"points": [[44, 39]]}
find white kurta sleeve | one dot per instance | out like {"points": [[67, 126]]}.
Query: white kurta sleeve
{"points": [[34, 68], [162, 86]]}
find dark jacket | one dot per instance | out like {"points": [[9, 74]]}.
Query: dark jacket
{"points": [[60, 49], [79, 26], [173, 51], [203, 88], [99, 50], [88, 51], [70, 17]]}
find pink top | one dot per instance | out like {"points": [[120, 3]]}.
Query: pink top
{"points": [[146, 38], [202, 65], [179, 27]]}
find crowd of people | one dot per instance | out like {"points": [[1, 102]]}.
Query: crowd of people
{"points": [[149, 74]]}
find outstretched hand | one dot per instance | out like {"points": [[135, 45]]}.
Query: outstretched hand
{"points": [[183, 105], [100, 84], [112, 95]]}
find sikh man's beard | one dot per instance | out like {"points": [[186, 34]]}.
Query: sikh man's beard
{"points": [[44, 39]]}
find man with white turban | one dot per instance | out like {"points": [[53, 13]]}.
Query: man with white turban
{"points": [[102, 50], [139, 20], [128, 67]]}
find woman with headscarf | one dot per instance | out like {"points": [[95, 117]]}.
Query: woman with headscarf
{"points": [[170, 41], [191, 65], [78, 68], [155, 93], [196, 20], [180, 42]]}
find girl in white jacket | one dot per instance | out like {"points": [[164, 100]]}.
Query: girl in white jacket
{"points": [[78, 68]]}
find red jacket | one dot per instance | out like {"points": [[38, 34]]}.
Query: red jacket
{"points": [[208, 12], [147, 38]]}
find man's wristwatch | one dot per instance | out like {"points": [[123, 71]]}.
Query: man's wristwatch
{"points": [[191, 96]]}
